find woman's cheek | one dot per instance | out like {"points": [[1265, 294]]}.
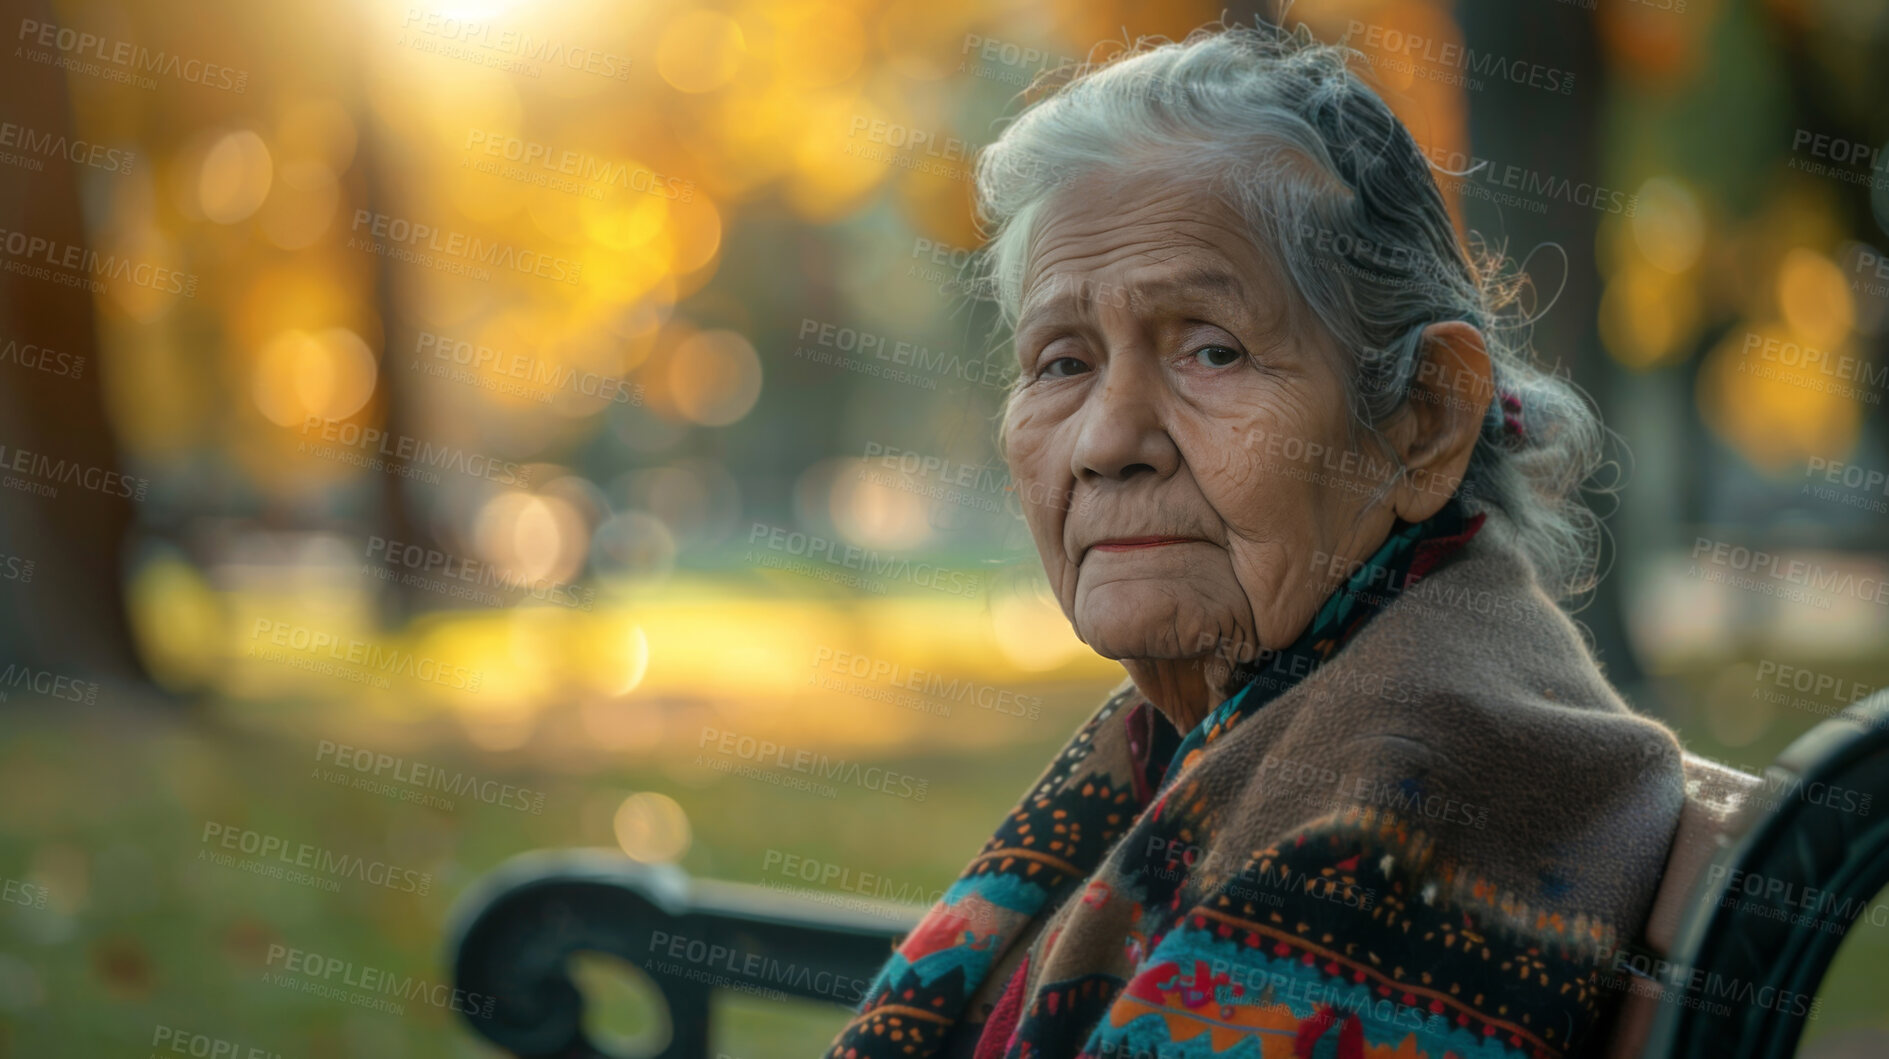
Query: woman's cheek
{"points": [[1035, 437], [1023, 428], [1032, 477], [1229, 467]]}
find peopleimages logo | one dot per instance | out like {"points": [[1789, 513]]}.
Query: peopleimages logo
{"points": [[45, 682], [16, 568], [1465, 172], [1801, 906], [1850, 161], [1856, 483], [319, 976], [24, 894], [1405, 796], [287, 855], [1823, 685], [39, 358], [1707, 986], [700, 955], [34, 142], [541, 160], [1411, 49], [989, 372], [511, 42], [25, 247], [421, 453], [423, 564], [169, 1040], [802, 549], [1838, 370], [950, 262], [1780, 787], [1345, 1000], [374, 658], [534, 375], [410, 238], [766, 752], [128, 59], [43, 475], [422, 776], [840, 877], [1809, 575], [978, 486], [1005, 53], [930, 685]]}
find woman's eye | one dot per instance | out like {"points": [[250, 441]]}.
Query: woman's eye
{"points": [[1218, 356], [1064, 366]]}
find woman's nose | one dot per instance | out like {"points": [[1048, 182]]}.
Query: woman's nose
{"points": [[1124, 430]]}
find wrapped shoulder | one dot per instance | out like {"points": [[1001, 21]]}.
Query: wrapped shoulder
{"points": [[1360, 929]]}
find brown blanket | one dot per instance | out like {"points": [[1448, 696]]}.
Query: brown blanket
{"points": [[1428, 844]]}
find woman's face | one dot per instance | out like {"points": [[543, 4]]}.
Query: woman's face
{"points": [[1180, 438]]}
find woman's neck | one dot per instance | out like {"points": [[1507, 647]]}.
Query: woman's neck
{"points": [[1185, 690]]}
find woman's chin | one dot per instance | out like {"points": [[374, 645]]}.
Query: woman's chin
{"points": [[1156, 619], [1137, 641]]}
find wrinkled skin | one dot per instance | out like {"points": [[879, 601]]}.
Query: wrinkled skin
{"points": [[1171, 382]]}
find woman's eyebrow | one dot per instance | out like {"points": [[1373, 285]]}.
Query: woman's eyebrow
{"points": [[1197, 280], [1182, 286]]}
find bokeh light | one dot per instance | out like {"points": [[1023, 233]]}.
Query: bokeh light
{"points": [[329, 374], [1760, 393], [700, 51], [237, 172], [715, 377], [652, 827], [1668, 225], [1814, 297]]}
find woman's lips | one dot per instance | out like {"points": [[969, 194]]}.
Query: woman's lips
{"points": [[1123, 544]]}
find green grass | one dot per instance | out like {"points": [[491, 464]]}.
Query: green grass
{"points": [[140, 930]]}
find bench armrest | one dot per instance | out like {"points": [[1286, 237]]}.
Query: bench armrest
{"points": [[514, 932]]}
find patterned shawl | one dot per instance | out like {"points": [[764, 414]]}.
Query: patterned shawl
{"points": [[1311, 871]]}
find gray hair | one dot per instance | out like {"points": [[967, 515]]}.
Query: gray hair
{"points": [[1336, 192]]}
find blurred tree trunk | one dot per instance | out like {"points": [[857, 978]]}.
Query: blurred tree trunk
{"points": [[1557, 136], [70, 617], [399, 600]]}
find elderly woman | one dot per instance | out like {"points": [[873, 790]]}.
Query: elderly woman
{"points": [[1366, 791]]}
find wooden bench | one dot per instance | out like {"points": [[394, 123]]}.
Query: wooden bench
{"points": [[1721, 937]]}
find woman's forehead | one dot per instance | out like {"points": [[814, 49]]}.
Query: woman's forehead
{"points": [[1154, 239]]}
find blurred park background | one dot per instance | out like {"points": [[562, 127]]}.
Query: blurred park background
{"points": [[496, 403]]}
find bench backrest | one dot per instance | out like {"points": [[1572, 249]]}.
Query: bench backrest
{"points": [[1714, 816]]}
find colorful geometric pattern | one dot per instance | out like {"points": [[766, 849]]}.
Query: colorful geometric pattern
{"points": [[1349, 939]]}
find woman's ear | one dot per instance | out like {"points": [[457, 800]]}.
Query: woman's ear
{"points": [[1442, 418]]}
